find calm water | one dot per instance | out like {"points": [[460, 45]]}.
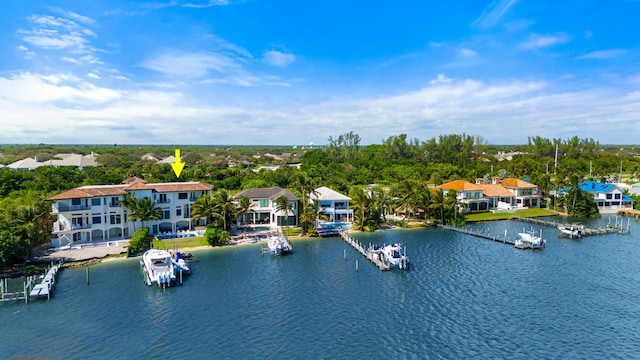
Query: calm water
{"points": [[464, 298]]}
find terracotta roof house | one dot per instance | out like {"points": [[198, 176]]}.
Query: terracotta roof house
{"points": [[471, 195], [263, 210], [333, 204], [608, 197], [94, 213], [526, 194]]}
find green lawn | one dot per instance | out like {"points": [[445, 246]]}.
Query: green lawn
{"points": [[181, 243], [534, 212]]}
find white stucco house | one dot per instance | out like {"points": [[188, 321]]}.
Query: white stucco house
{"points": [[333, 204], [94, 213], [264, 210]]}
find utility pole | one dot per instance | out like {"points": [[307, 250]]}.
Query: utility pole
{"points": [[555, 168]]}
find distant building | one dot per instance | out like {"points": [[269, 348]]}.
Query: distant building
{"points": [[94, 213], [263, 210], [25, 164], [150, 157], [508, 194], [508, 156], [608, 197], [78, 160]]}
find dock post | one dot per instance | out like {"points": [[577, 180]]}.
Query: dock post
{"points": [[356, 265], [345, 254], [26, 294], [180, 276], [87, 275]]}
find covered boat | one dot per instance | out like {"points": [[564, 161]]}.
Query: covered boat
{"points": [[158, 268]]}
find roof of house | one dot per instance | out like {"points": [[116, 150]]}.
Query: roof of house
{"points": [[25, 164], [150, 156], [266, 193], [459, 185], [596, 187], [78, 160], [114, 190], [324, 193], [168, 160], [517, 183], [494, 190]]}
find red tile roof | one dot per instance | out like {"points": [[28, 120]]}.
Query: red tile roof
{"points": [[517, 183], [459, 185], [115, 190]]}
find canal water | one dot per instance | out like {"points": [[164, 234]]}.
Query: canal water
{"points": [[465, 297]]}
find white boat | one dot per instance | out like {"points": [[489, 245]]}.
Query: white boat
{"points": [[275, 245], [529, 240], [158, 268], [571, 231], [395, 257]]}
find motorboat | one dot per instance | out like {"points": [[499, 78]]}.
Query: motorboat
{"points": [[158, 268], [275, 245], [394, 255], [529, 240], [572, 231]]}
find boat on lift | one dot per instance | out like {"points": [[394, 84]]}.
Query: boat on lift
{"points": [[158, 268], [394, 255], [529, 240], [572, 231]]}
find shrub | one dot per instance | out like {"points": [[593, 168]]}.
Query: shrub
{"points": [[140, 241], [214, 236]]}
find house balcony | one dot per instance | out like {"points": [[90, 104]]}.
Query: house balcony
{"points": [[58, 208], [165, 201], [59, 227]]}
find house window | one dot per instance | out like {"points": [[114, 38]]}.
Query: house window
{"points": [[183, 196], [178, 212], [264, 202], [162, 198], [617, 196], [96, 219], [609, 197], [115, 219], [75, 202], [166, 214], [95, 202]]}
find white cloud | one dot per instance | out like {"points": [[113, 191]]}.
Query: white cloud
{"points": [[93, 76], [62, 108], [603, 54], [192, 65], [492, 14], [278, 58], [464, 52], [538, 41]]}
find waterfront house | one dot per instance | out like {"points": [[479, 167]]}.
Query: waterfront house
{"points": [[264, 209], [94, 213], [526, 194], [469, 195], [608, 197], [333, 204]]}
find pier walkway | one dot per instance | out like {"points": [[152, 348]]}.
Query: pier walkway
{"points": [[29, 287], [617, 228], [501, 239], [374, 257]]}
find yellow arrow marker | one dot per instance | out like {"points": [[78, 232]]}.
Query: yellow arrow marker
{"points": [[177, 166]]}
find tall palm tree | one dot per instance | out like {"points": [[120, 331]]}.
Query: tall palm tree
{"points": [[243, 208], [438, 204], [359, 203], [224, 208], [306, 186], [309, 215], [284, 205]]}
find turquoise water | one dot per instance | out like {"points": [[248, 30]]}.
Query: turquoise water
{"points": [[463, 298]]}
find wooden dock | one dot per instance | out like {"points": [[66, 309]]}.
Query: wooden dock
{"points": [[483, 235], [617, 228], [371, 256], [48, 283]]}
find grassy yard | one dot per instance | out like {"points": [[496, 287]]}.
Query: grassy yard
{"points": [[486, 216], [181, 243]]}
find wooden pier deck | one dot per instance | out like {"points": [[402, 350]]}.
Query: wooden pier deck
{"points": [[618, 228], [500, 239], [30, 289], [371, 256]]}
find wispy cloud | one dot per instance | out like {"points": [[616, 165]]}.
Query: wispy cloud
{"points": [[603, 54], [188, 4], [278, 58], [466, 52], [493, 13], [538, 41]]}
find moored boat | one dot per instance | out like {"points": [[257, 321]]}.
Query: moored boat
{"points": [[275, 245], [572, 231], [395, 257], [181, 263], [529, 240], [158, 268]]}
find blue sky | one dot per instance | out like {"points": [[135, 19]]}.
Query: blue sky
{"points": [[296, 72]]}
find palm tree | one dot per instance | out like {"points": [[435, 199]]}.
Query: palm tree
{"points": [[306, 186], [244, 207], [438, 204], [203, 207], [283, 205], [309, 215], [146, 211], [224, 208], [359, 203], [130, 203]]}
